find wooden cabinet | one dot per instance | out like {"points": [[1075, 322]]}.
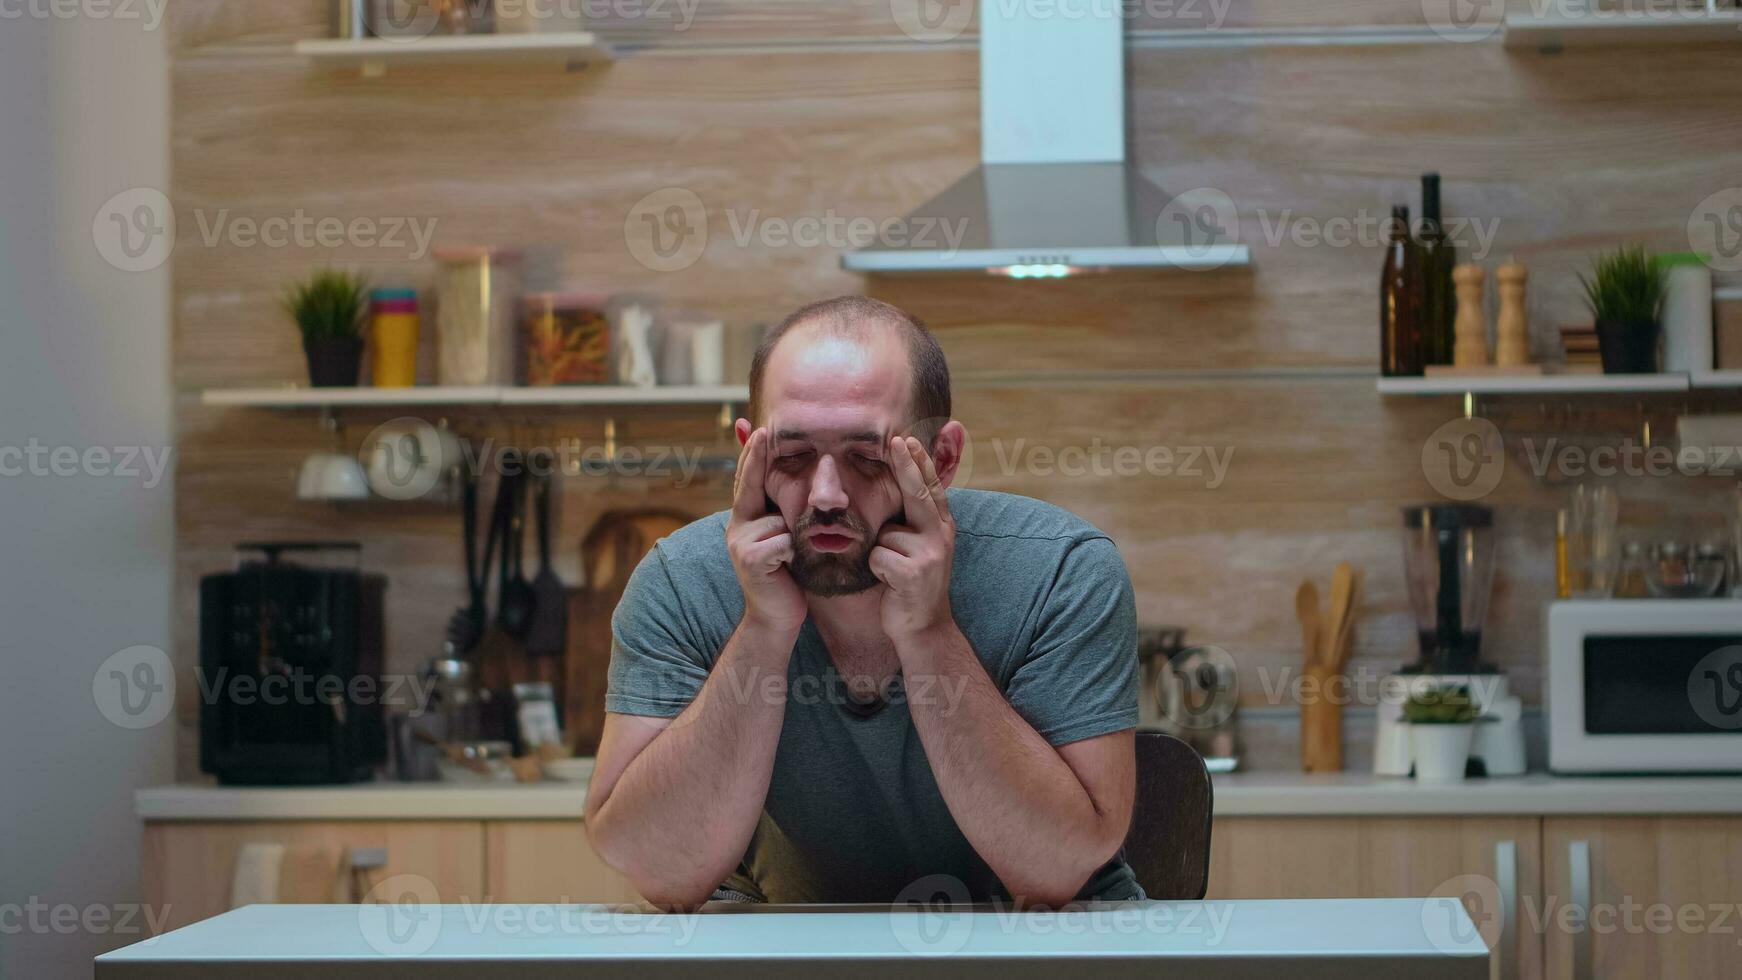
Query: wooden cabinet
{"points": [[549, 861], [189, 867], [1492, 864], [1642, 897]]}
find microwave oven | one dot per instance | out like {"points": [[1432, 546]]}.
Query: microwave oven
{"points": [[1645, 686]]}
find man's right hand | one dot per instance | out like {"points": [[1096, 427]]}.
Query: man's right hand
{"points": [[761, 546]]}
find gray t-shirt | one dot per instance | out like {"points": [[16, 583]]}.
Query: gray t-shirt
{"points": [[853, 811]]}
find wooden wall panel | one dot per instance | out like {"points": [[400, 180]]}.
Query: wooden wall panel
{"points": [[1568, 154]]}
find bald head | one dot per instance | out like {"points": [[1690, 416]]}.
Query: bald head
{"points": [[838, 329]]}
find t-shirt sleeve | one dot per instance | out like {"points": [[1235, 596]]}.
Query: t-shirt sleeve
{"points": [[1079, 677], [657, 666]]}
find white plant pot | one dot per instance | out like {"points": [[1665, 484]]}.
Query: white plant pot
{"points": [[1441, 751]]}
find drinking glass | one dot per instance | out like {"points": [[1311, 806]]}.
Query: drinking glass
{"points": [[1590, 542]]}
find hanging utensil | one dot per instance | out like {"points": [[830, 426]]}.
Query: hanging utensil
{"points": [[517, 603], [548, 634], [466, 626]]}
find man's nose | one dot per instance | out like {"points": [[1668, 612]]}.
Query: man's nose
{"points": [[827, 492]]}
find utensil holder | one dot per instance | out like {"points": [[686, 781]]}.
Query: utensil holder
{"points": [[1321, 723]]}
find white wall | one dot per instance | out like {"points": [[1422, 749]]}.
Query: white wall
{"points": [[85, 559]]}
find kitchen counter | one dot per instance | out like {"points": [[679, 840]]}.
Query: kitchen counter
{"points": [[1431, 939], [1252, 794]]}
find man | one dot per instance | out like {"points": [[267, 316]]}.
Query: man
{"points": [[860, 686]]}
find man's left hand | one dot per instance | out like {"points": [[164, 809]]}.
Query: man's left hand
{"points": [[913, 560]]}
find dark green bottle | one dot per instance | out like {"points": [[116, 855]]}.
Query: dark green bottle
{"points": [[1439, 299]]}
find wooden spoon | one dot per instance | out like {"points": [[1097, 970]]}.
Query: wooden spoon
{"points": [[1340, 652], [1342, 602], [1306, 608]]}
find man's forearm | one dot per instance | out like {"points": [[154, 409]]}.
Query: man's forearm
{"points": [[1014, 797], [680, 817]]}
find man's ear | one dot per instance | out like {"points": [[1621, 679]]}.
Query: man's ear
{"points": [[946, 451], [743, 430]]}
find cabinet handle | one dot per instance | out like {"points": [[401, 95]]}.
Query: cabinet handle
{"points": [[1579, 893], [1506, 877]]}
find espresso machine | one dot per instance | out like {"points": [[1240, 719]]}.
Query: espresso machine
{"points": [[1448, 552]]}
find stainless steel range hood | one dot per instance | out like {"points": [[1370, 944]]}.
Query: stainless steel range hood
{"points": [[1054, 194]]}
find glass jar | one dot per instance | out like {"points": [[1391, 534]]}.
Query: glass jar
{"points": [[474, 317], [565, 339]]}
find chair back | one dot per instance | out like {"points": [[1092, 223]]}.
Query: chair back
{"points": [[1168, 846]]}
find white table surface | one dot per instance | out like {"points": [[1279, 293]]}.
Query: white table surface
{"points": [[1297, 940], [1237, 795]]}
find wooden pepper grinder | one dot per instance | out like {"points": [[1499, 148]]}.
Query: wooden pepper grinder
{"points": [[1472, 323], [1512, 345]]}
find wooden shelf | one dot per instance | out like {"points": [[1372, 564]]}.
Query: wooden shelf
{"points": [[1623, 27], [567, 49], [579, 395], [1717, 379], [1546, 384]]}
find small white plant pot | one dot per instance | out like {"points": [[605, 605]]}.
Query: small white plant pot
{"points": [[1441, 751]]}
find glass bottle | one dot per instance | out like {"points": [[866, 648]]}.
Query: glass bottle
{"points": [[1439, 304], [1400, 334]]}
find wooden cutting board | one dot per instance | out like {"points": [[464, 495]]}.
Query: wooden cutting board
{"points": [[609, 554]]}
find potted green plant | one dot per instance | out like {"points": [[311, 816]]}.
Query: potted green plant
{"points": [[1442, 725], [329, 309], [1625, 292]]}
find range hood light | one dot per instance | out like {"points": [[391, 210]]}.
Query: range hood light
{"points": [[1038, 271]]}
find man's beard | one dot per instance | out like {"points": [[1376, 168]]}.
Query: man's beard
{"points": [[830, 574]]}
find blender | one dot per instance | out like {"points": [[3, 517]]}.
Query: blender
{"points": [[1448, 554]]}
